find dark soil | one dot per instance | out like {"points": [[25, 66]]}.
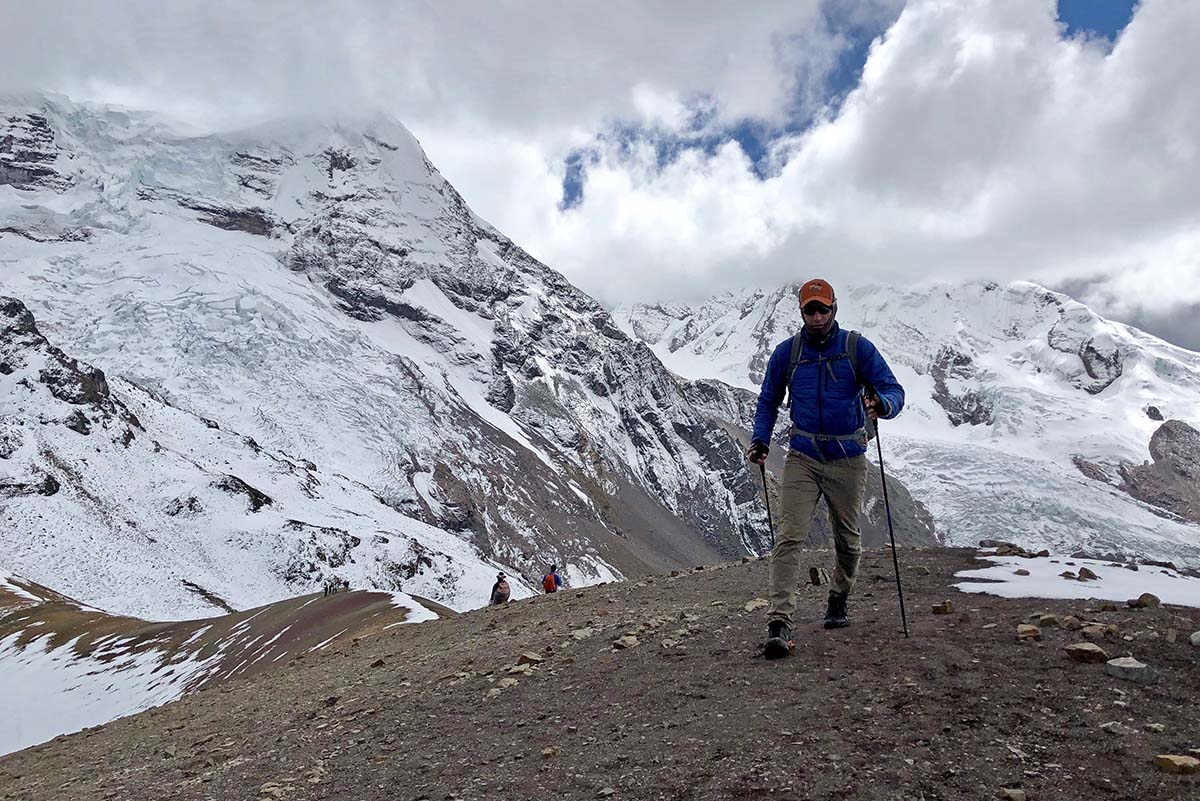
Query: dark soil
{"points": [[958, 711]]}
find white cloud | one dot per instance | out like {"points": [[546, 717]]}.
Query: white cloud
{"points": [[979, 143]]}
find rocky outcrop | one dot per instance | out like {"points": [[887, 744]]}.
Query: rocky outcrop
{"points": [[1102, 361], [964, 405], [28, 153], [1172, 481]]}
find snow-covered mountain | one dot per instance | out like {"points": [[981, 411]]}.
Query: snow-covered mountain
{"points": [[1025, 412], [311, 308], [160, 513]]}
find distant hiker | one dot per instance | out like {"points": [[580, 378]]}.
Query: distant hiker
{"points": [[500, 590], [552, 581], [838, 385], [333, 584]]}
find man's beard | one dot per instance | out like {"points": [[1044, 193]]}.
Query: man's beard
{"points": [[819, 335]]}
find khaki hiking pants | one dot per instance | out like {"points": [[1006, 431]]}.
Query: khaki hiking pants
{"points": [[842, 482]]}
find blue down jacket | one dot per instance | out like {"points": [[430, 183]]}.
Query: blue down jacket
{"points": [[825, 395]]}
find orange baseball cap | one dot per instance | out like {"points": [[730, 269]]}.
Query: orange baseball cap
{"points": [[818, 290]]}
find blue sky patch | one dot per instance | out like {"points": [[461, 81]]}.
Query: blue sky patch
{"points": [[839, 19], [1103, 18]]}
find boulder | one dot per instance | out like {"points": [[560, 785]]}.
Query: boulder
{"points": [[1086, 652], [1177, 763], [1130, 669], [1147, 600]]}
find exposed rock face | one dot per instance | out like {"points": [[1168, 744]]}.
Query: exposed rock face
{"points": [[28, 153], [23, 346], [1101, 359], [966, 405], [1172, 482]]}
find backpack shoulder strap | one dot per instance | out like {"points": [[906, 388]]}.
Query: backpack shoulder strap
{"points": [[852, 352], [797, 345]]}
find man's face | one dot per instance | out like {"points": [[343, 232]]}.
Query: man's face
{"points": [[818, 318]]}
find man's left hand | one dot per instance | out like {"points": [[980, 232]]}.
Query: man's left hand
{"points": [[875, 407]]}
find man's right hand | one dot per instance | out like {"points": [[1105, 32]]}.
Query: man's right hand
{"points": [[757, 453]]}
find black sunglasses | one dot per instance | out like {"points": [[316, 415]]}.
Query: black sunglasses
{"points": [[816, 308]]}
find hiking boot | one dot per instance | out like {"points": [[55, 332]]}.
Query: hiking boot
{"points": [[835, 615], [779, 640]]}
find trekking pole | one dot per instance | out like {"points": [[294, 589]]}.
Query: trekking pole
{"points": [[888, 506], [767, 500]]}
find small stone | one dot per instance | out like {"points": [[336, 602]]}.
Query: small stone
{"points": [[530, 658], [1068, 574], [1130, 669], [1147, 600], [944, 608], [492, 693], [668, 643], [1116, 728], [1027, 632], [378, 663], [506, 682], [1086, 652], [1071, 623], [628, 641], [745, 560], [1194, 639], [1042, 554], [1020, 572], [1177, 763], [551, 752], [1047, 621], [606, 792], [757, 603], [1171, 636], [582, 634], [521, 670], [921, 570], [1154, 728], [1011, 794], [818, 576], [1085, 574]]}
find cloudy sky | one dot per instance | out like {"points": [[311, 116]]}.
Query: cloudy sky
{"points": [[657, 150]]}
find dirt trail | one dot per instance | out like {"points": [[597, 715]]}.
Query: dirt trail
{"points": [[959, 711]]}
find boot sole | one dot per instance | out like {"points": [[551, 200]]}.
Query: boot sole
{"points": [[831, 625], [777, 648]]}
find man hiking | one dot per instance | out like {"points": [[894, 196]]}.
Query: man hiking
{"points": [[500, 590], [838, 381]]}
